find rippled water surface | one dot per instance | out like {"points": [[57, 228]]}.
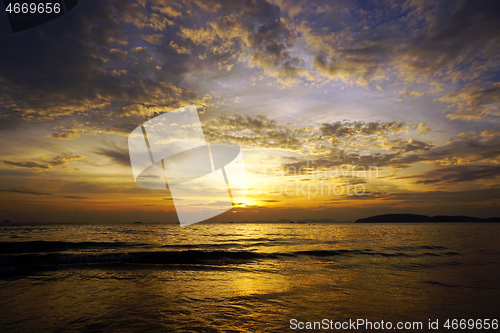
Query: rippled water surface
{"points": [[243, 277]]}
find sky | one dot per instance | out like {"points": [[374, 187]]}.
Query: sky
{"points": [[342, 109]]}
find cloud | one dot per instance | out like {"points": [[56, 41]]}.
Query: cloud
{"points": [[117, 155], [218, 203], [473, 102], [490, 133], [26, 192], [169, 11], [28, 164], [252, 32], [344, 138], [42, 194], [348, 129], [463, 149], [459, 174], [70, 135], [335, 143], [420, 42], [422, 128], [116, 64], [88, 68], [254, 131], [348, 68], [74, 197], [178, 48], [385, 144], [410, 145], [466, 197], [134, 55], [45, 163], [454, 34]]}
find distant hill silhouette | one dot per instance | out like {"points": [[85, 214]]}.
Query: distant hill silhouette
{"points": [[405, 218]]}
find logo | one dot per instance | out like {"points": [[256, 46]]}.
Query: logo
{"points": [[170, 152], [27, 14]]}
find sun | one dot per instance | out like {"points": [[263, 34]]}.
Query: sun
{"points": [[244, 204]]}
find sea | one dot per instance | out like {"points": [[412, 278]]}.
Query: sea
{"points": [[250, 277]]}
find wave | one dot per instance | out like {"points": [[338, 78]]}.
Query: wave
{"points": [[32, 257], [159, 257], [415, 248], [12, 265], [58, 246], [53, 246], [369, 252]]}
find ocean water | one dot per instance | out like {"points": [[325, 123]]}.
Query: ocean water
{"points": [[245, 277]]}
